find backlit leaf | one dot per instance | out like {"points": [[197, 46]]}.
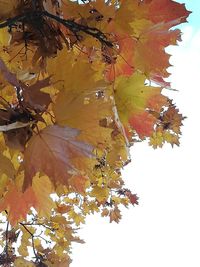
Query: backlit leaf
{"points": [[57, 153]]}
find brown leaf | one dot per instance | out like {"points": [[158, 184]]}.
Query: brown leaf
{"points": [[132, 197], [8, 76], [17, 138], [56, 152], [34, 98], [115, 215]]}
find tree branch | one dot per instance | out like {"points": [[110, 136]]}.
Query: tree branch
{"points": [[32, 240], [6, 246], [68, 23]]}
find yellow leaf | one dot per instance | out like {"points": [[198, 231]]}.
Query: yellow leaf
{"points": [[23, 249], [20, 262], [116, 200], [156, 140], [100, 193], [84, 112], [173, 139], [132, 96], [69, 73], [76, 217], [3, 183], [93, 207], [42, 188], [4, 36], [6, 167]]}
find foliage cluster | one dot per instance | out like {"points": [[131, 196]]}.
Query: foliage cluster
{"points": [[80, 83]]}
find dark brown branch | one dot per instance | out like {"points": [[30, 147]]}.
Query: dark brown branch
{"points": [[39, 224], [70, 24], [6, 246], [32, 240]]}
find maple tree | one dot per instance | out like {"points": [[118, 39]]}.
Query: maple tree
{"points": [[80, 83]]}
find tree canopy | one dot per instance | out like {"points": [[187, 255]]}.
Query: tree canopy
{"points": [[80, 83]]}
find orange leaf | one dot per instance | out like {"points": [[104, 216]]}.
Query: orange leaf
{"points": [[42, 188], [79, 183], [17, 203], [143, 124], [57, 153], [84, 112], [167, 10], [124, 64]]}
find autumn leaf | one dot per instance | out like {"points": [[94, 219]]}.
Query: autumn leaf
{"points": [[8, 8], [105, 212], [132, 197], [115, 215], [6, 167], [42, 187], [63, 208], [61, 77], [17, 203], [100, 193], [79, 183], [172, 119], [34, 98], [57, 153], [157, 140], [133, 97], [167, 10], [143, 124], [21, 262], [8, 76], [150, 55], [85, 112], [76, 217], [123, 64]]}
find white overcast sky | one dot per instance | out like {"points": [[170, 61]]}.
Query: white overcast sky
{"points": [[164, 230]]}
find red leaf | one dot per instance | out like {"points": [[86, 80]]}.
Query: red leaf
{"points": [[143, 124], [132, 197]]}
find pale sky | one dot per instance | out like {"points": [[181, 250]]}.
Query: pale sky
{"points": [[164, 230]]}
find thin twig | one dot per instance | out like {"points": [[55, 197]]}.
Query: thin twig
{"points": [[68, 23], [6, 247], [32, 239]]}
